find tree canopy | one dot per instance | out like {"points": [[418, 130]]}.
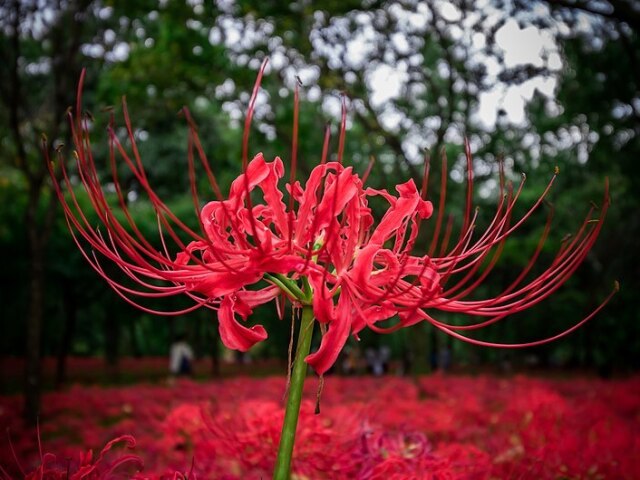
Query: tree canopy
{"points": [[417, 79]]}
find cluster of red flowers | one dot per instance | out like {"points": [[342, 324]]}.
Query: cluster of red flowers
{"points": [[323, 249], [370, 428]]}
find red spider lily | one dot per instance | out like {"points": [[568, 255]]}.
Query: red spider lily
{"points": [[85, 466], [325, 241]]}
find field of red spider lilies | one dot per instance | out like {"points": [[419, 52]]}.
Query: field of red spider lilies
{"points": [[440, 427]]}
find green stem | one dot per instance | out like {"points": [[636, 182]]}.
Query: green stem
{"points": [[293, 286], [287, 285], [285, 450], [284, 287]]}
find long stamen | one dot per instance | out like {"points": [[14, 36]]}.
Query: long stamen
{"points": [[325, 145], [294, 155], [527, 344], [441, 203], [15, 457], [447, 236], [467, 211], [366, 173], [343, 128], [425, 175], [215, 186], [245, 151]]}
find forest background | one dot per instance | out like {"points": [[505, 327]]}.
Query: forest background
{"points": [[540, 84]]}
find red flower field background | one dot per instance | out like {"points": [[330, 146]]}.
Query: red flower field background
{"points": [[440, 427]]}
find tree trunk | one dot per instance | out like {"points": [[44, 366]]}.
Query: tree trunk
{"points": [[418, 344], [70, 315], [33, 369], [136, 348], [111, 341], [200, 337], [172, 330], [65, 39]]}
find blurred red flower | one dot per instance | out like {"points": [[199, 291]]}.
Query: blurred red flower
{"points": [[88, 468]]}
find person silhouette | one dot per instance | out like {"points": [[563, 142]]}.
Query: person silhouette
{"points": [[180, 357]]}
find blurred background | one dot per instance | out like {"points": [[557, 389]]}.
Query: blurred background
{"points": [[539, 83]]}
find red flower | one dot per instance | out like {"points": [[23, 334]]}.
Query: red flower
{"points": [[86, 467], [325, 242]]}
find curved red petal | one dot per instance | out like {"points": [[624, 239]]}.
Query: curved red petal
{"points": [[234, 335], [334, 339]]}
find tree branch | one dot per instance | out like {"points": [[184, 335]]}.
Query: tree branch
{"points": [[14, 97], [622, 11]]}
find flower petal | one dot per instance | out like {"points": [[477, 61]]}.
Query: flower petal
{"points": [[334, 339], [323, 308], [373, 314], [254, 298], [234, 335], [407, 205]]}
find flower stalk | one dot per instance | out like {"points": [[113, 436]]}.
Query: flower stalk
{"points": [[282, 468]]}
